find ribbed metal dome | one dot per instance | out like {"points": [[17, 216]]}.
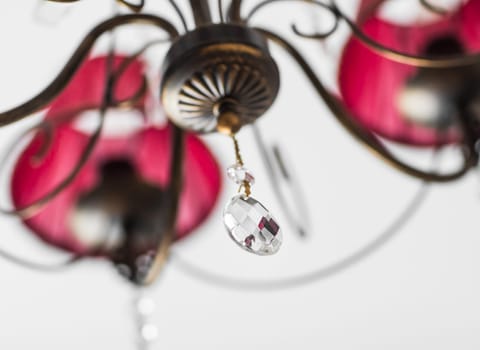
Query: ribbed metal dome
{"points": [[217, 69]]}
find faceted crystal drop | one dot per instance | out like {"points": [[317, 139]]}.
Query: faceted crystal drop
{"points": [[252, 226], [239, 174]]}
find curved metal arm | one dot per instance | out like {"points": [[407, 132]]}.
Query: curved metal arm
{"points": [[48, 126], [296, 198], [433, 8], [59, 83], [361, 134], [319, 274], [371, 8], [234, 12], [14, 259], [412, 60], [54, 267], [320, 36], [220, 11], [32, 208], [179, 12], [174, 191], [133, 7], [329, 8], [387, 52]]}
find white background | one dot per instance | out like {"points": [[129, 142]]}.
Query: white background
{"points": [[419, 291]]}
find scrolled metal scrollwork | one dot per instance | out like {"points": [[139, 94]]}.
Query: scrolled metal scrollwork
{"points": [[363, 135], [48, 126], [387, 52], [179, 13]]}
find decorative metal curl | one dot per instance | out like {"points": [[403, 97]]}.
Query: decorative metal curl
{"points": [[174, 190], [39, 266], [220, 11], [363, 135], [47, 127], [296, 200], [234, 12], [387, 52], [317, 35], [133, 7], [426, 4], [433, 8], [40, 101]]}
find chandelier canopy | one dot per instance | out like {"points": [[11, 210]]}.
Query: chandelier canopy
{"points": [[126, 194]]}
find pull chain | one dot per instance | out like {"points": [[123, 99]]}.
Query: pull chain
{"points": [[248, 222]]}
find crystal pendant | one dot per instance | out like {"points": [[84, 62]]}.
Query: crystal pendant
{"points": [[252, 226], [239, 174]]}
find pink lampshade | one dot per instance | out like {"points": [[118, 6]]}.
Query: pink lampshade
{"points": [[148, 150], [369, 83]]}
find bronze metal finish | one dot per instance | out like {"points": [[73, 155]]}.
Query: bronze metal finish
{"points": [[218, 69], [40, 101], [363, 135], [228, 123], [392, 54], [234, 12], [220, 77], [174, 191], [319, 273], [46, 127], [179, 14], [133, 7], [201, 12]]}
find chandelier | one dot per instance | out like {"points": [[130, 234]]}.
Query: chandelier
{"points": [[129, 196]]}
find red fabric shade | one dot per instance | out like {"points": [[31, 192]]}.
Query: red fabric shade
{"points": [[370, 83], [148, 150]]}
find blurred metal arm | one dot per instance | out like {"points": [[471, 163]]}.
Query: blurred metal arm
{"points": [[363, 135], [281, 172], [433, 8], [133, 7], [48, 126], [387, 52], [234, 12], [179, 13]]}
